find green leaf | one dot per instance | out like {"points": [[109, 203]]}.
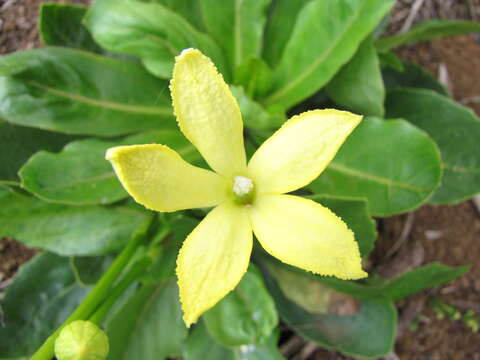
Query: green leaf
{"points": [[392, 164], [412, 76], [80, 175], [42, 295], [89, 269], [61, 25], [454, 128], [254, 115], [189, 9], [149, 325], [304, 290], [77, 92], [281, 22], [390, 59], [426, 31], [326, 35], [358, 86], [67, 230], [399, 288], [368, 333], [201, 346], [245, 316], [356, 215], [237, 25], [150, 31], [18, 143], [255, 76], [164, 268]]}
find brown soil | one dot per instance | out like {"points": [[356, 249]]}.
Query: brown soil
{"points": [[12, 255], [444, 234]]}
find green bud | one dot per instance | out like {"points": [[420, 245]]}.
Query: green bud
{"points": [[81, 340]]}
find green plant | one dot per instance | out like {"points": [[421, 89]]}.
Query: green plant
{"points": [[102, 81]]}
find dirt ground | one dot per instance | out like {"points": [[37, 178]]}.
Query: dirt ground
{"points": [[447, 234]]}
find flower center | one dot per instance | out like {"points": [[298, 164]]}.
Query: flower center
{"points": [[243, 189]]}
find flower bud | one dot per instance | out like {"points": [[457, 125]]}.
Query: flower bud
{"points": [[81, 340]]}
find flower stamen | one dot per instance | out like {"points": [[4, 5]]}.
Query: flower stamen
{"points": [[243, 189]]}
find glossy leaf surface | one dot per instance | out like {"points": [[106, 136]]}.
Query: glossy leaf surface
{"points": [[67, 230], [358, 86], [42, 295], [370, 332], [237, 25], [188, 9], [394, 178], [149, 325], [151, 31], [80, 175], [18, 143], [428, 30], [76, 92], [355, 213], [454, 128], [245, 316], [325, 36], [412, 76], [61, 25], [253, 114], [200, 346], [89, 269], [281, 21], [404, 285]]}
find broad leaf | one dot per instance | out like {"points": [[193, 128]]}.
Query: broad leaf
{"points": [[399, 288], [189, 9], [77, 92], [18, 143], [149, 325], [426, 31], [89, 269], [392, 164], [326, 35], [253, 114], [358, 86], [454, 128], [42, 295], [61, 25], [255, 76], [80, 175], [245, 316], [368, 333], [356, 215], [201, 346], [237, 25], [67, 230], [390, 59], [281, 21], [412, 76], [150, 31]]}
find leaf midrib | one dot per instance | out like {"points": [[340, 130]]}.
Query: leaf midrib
{"points": [[134, 109], [377, 179], [298, 79]]}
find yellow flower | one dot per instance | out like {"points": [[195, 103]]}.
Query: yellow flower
{"points": [[246, 198]]}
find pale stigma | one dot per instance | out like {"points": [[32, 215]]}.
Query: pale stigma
{"points": [[242, 185]]}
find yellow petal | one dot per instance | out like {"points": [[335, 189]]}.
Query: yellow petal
{"points": [[158, 178], [213, 259], [300, 150], [207, 112], [305, 234]]}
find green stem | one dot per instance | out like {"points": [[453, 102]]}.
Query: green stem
{"points": [[136, 270], [94, 298]]}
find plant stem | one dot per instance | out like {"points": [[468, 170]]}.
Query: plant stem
{"points": [[136, 270], [94, 298]]}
